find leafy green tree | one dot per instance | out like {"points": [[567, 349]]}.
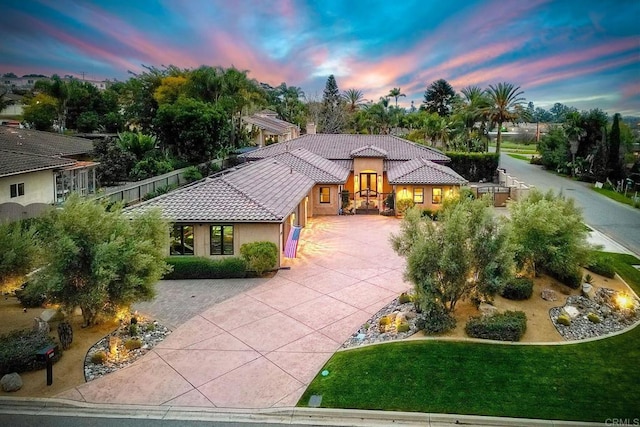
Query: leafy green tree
{"points": [[331, 115], [192, 130], [18, 255], [548, 234], [560, 111], [505, 105], [396, 93], [466, 254], [554, 148], [137, 143], [613, 165], [438, 98], [88, 121], [113, 122], [115, 163], [99, 259], [41, 112]]}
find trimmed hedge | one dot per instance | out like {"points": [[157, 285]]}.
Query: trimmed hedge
{"points": [[191, 267], [601, 264], [18, 351], [519, 288], [507, 326], [260, 256], [474, 167]]}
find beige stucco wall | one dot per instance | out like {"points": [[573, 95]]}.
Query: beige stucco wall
{"points": [[366, 164], [38, 188], [330, 208], [447, 190]]}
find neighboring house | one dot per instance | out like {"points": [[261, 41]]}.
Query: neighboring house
{"points": [[40, 169], [286, 183], [269, 129], [16, 106]]}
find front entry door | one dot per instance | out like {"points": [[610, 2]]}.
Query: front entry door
{"points": [[368, 181], [367, 196]]}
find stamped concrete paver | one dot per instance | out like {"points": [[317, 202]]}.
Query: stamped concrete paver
{"points": [[258, 343]]}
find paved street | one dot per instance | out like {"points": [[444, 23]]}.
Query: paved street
{"points": [[618, 221]]}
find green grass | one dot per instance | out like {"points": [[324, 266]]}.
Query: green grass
{"points": [[618, 197], [520, 157], [508, 145], [589, 381]]}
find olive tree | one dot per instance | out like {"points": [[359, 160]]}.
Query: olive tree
{"points": [[464, 255], [99, 259], [18, 254]]}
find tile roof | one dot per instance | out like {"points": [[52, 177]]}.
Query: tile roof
{"points": [[12, 163], [321, 170], [340, 146], [270, 124], [264, 191], [43, 143], [422, 171], [369, 151]]}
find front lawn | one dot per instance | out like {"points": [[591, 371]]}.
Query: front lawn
{"points": [[618, 197], [520, 157], [590, 381]]}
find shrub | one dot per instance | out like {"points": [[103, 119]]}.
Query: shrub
{"points": [[474, 167], [260, 256], [384, 321], [405, 298], [564, 319], [18, 351], [520, 288], [134, 320], [133, 344], [159, 191], [403, 327], [99, 357], [507, 326], [133, 329], [594, 318], [435, 320], [192, 174], [403, 204], [571, 279], [31, 296], [190, 267], [601, 264]]}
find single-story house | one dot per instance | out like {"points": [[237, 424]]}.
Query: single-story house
{"points": [[269, 129], [39, 169], [286, 183]]}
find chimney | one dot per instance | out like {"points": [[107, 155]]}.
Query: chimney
{"points": [[311, 128]]}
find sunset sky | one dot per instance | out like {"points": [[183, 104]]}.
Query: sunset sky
{"points": [[581, 53]]}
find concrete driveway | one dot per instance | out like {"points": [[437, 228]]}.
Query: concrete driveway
{"points": [[262, 347]]}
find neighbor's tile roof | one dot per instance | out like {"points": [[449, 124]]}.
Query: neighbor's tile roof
{"points": [[270, 124], [264, 191], [12, 163], [43, 143], [369, 151], [321, 170], [340, 146], [422, 171]]}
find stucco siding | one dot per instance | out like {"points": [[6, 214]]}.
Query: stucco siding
{"points": [[38, 188], [330, 208]]}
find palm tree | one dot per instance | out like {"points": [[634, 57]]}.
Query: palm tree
{"points": [[396, 93], [505, 104], [473, 110], [354, 99]]}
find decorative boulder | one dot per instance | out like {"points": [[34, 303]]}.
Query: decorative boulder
{"points": [[549, 295], [487, 310], [588, 290], [51, 315], [40, 326], [572, 311], [11, 382]]}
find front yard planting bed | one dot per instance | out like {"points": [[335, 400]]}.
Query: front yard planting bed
{"points": [[589, 381]]}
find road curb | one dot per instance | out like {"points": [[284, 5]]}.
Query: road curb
{"points": [[307, 416]]}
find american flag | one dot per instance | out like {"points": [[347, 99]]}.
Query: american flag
{"points": [[291, 247]]}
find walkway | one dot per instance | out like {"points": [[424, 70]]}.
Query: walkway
{"points": [[262, 347]]}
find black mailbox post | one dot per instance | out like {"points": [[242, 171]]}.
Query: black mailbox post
{"points": [[46, 355]]}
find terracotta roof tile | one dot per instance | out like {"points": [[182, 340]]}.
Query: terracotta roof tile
{"points": [[423, 171], [321, 170]]}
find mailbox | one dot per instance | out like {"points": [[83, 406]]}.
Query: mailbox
{"points": [[46, 354]]}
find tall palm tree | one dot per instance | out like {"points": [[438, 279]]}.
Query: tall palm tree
{"points": [[354, 99], [396, 93], [473, 110], [505, 104]]}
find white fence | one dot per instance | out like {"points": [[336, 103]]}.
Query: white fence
{"points": [[518, 189]]}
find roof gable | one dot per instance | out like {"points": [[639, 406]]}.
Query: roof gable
{"points": [[269, 123], [369, 151], [321, 170], [422, 171]]}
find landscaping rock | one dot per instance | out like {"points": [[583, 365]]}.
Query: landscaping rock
{"points": [[41, 326], [549, 295], [572, 311], [51, 315], [487, 310], [11, 382], [588, 290]]}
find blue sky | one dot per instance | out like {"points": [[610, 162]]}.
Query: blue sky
{"points": [[582, 53]]}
